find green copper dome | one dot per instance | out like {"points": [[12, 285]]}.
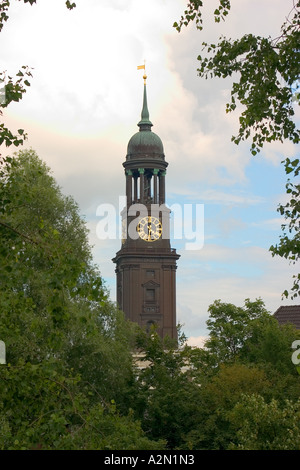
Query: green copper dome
{"points": [[145, 143]]}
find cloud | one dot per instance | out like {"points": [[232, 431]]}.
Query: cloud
{"points": [[272, 224], [197, 341], [229, 197]]}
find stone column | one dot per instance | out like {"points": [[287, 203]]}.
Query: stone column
{"points": [[162, 188], [135, 194], [142, 191], [148, 189], [155, 173], [129, 187]]}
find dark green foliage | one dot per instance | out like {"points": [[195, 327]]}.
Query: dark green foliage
{"points": [[64, 339], [216, 398], [12, 91], [193, 13], [253, 357], [166, 393], [194, 397], [52, 297], [230, 326], [265, 426], [44, 409]]}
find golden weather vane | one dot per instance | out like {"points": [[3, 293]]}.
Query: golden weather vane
{"points": [[139, 67]]}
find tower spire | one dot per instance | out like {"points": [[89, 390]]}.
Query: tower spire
{"points": [[145, 124], [146, 263]]}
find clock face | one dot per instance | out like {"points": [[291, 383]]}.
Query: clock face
{"points": [[150, 229]]}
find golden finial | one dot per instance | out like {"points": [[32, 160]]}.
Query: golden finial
{"points": [[143, 67]]}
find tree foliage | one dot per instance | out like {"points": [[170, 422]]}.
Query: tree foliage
{"points": [[289, 242], [13, 91], [266, 82], [229, 326], [64, 339], [42, 408], [216, 397], [166, 395], [193, 12], [191, 397], [52, 296], [265, 426]]}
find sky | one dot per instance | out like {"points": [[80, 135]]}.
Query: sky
{"points": [[84, 104]]}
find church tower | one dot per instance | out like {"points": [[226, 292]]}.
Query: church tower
{"points": [[146, 263]]}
